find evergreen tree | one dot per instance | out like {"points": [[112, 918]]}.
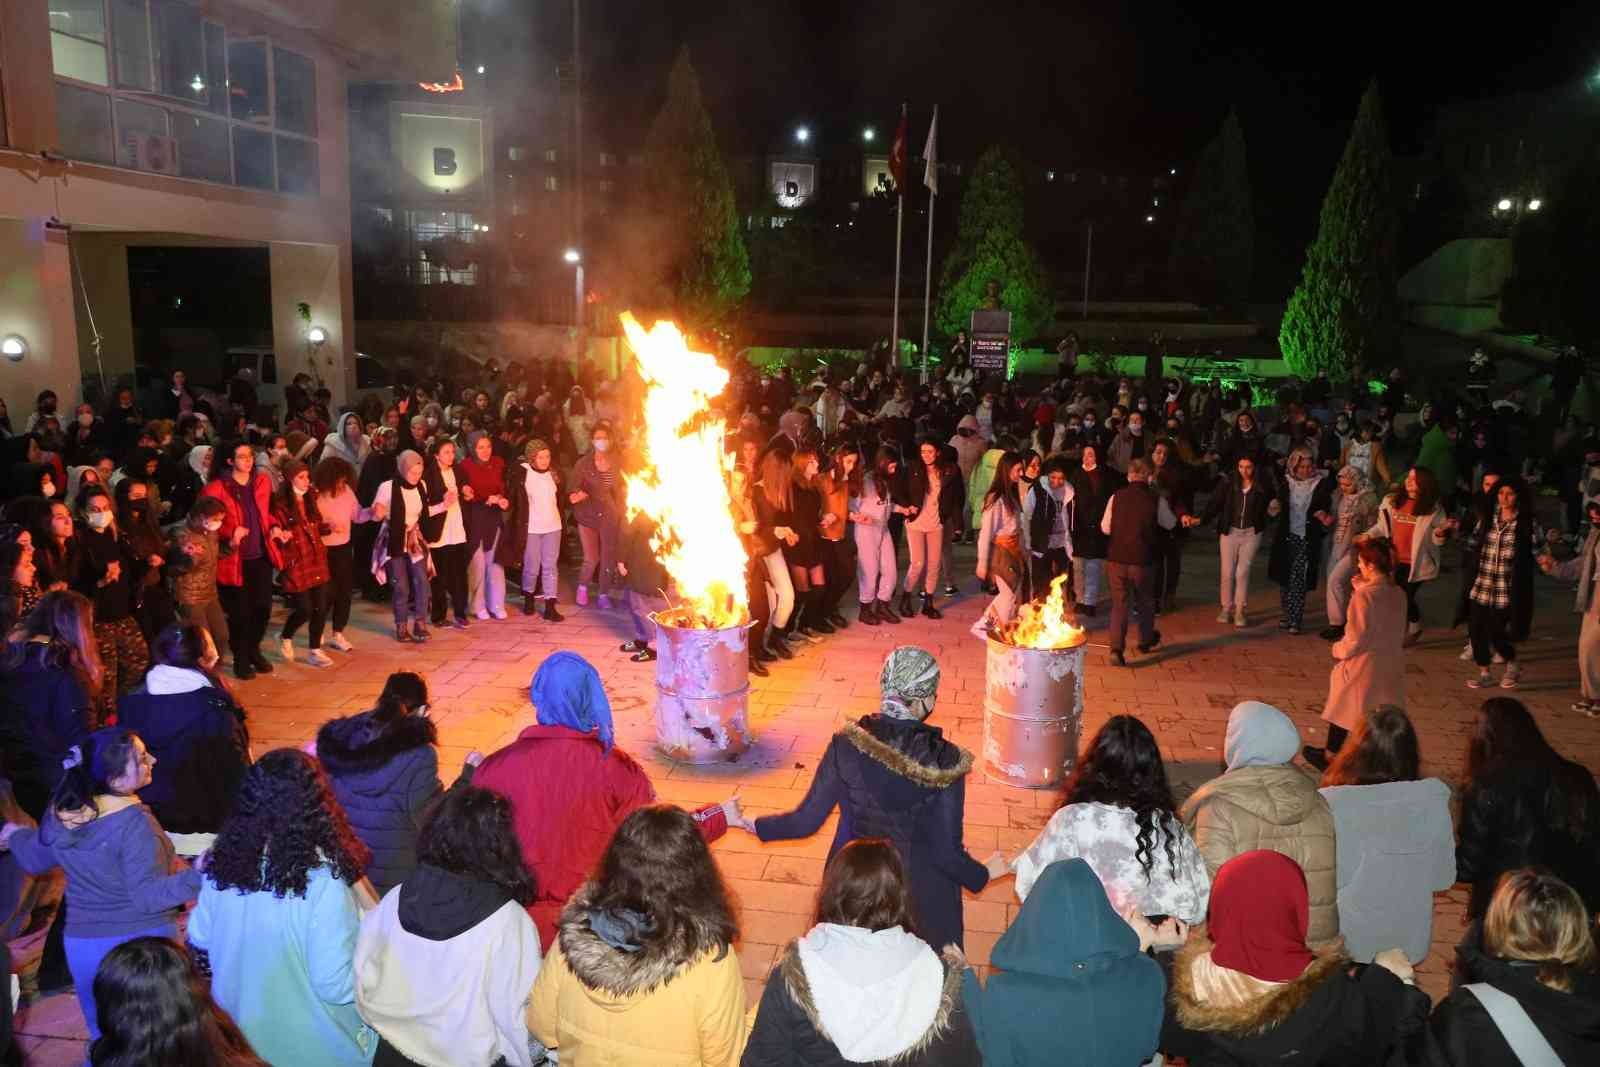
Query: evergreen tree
{"points": [[990, 248], [1213, 251], [683, 245], [1345, 312], [1555, 272]]}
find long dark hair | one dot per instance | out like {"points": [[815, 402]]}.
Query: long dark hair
{"points": [[882, 480], [1427, 492], [470, 831], [1123, 768], [1505, 736], [102, 756], [143, 530], [285, 823], [403, 693], [1003, 488], [331, 471], [154, 1007], [183, 645], [65, 620], [658, 865], [865, 885], [1383, 749]]}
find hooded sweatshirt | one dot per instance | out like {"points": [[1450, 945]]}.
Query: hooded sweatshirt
{"points": [[480, 953], [1072, 986], [1263, 801]]}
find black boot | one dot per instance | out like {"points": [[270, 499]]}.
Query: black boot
{"points": [[886, 613], [550, 612], [259, 662], [530, 604], [402, 634], [869, 613], [906, 608], [816, 615], [928, 609]]}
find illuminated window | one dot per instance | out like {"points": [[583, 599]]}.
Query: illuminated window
{"points": [[606, 185], [516, 151], [608, 159], [552, 183], [549, 155], [78, 40]]}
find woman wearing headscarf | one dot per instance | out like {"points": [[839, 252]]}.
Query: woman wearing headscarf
{"points": [[1251, 992], [530, 539], [347, 441], [485, 509], [570, 787], [1304, 515], [1068, 964], [892, 775], [1354, 508]]}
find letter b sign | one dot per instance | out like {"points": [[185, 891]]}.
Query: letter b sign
{"points": [[444, 161]]}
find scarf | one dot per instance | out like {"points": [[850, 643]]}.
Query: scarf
{"points": [[1260, 911], [566, 691], [909, 684]]}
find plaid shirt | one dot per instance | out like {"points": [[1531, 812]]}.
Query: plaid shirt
{"points": [[1492, 587]]}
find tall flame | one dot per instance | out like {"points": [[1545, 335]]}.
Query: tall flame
{"points": [[1044, 625], [682, 482]]}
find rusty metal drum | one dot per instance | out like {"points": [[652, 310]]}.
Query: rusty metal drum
{"points": [[702, 692], [1032, 710]]}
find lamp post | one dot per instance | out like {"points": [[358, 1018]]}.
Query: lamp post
{"points": [[574, 257]]}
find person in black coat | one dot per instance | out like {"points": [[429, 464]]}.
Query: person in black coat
{"points": [[1524, 805], [1536, 946], [384, 769], [1305, 503], [892, 775], [195, 729], [52, 670], [1092, 485]]}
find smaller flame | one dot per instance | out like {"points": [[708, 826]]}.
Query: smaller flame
{"points": [[454, 85], [1049, 625]]}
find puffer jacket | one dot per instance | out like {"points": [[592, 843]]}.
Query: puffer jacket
{"points": [[1530, 814], [1273, 807], [202, 750], [384, 775], [598, 1006]]}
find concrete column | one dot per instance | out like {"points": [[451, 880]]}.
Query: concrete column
{"points": [[36, 305], [312, 274]]}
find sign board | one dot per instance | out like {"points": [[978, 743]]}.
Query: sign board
{"points": [[991, 340]]}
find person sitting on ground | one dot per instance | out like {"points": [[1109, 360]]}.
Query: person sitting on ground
{"points": [[1252, 992], [1263, 801], [1069, 965], [459, 918], [860, 986], [383, 765], [892, 775], [644, 970], [155, 1007], [1536, 964], [1119, 816], [1396, 847]]}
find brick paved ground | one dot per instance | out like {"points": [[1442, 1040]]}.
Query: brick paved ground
{"points": [[479, 683]]}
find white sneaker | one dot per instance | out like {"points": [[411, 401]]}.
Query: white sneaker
{"points": [[1239, 619], [1466, 652], [483, 616], [337, 642], [1225, 615], [1513, 673], [1497, 658], [318, 658], [286, 649], [497, 614]]}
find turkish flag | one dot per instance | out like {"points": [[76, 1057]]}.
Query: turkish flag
{"points": [[897, 156]]}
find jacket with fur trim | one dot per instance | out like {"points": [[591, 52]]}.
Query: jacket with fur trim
{"points": [[901, 780], [789, 1033], [1336, 1013], [667, 1005], [384, 775]]}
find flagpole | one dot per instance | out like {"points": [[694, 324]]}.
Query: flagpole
{"points": [[899, 230], [929, 179]]}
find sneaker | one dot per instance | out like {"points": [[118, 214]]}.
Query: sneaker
{"points": [[459, 623], [605, 602], [1482, 681], [1118, 659], [286, 650], [420, 632], [1293, 630], [1239, 622], [497, 615], [1466, 653], [823, 626], [1510, 678], [1225, 615], [1497, 658], [318, 658], [644, 655], [483, 616], [337, 642], [1331, 633], [583, 596], [1594, 710], [1585, 706], [806, 633], [632, 646], [951, 590]]}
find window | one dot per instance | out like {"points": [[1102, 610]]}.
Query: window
{"points": [[607, 159], [606, 185], [519, 207], [252, 158], [549, 155], [552, 184], [135, 51], [203, 150], [516, 151], [294, 82], [247, 82], [181, 55], [216, 69], [78, 39], [83, 119], [297, 167], [138, 125]]}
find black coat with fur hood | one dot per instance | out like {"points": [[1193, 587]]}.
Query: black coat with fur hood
{"points": [[384, 774], [1336, 1014], [901, 780], [789, 1033]]}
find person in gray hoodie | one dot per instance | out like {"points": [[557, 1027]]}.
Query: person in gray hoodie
{"points": [[121, 881], [1397, 846]]}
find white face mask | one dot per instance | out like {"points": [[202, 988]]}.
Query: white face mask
{"points": [[86, 419], [98, 520], [48, 489], [298, 491], [602, 445], [213, 525]]}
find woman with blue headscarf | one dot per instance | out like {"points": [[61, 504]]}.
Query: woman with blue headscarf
{"points": [[570, 787]]}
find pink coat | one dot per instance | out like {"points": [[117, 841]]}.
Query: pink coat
{"points": [[1371, 667]]}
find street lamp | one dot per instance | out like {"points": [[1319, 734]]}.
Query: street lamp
{"points": [[1535, 204], [1504, 204], [802, 134], [574, 257], [868, 134]]}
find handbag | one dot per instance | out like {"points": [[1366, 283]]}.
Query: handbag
{"points": [[1528, 1045]]}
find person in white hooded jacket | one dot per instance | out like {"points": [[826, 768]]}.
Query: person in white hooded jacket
{"points": [[860, 986], [459, 922]]}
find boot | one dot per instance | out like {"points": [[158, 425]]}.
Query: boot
{"points": [[906, 608], [869, 613], [839, 622], [259, 662], [530, 604], [928, 609], [816, 617], [402, 634], [886, 613], [550, 612]]}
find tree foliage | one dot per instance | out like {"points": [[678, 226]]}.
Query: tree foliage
{"points": [[1213, 250], [1345, 312], [990, 247], [1555, 272], [683, 247]]}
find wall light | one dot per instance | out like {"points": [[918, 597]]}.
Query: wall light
{"points": [[1503, 205], [1149, 218], [14, 348], [803, 134], [317, 335], [868, 134], [1535, 204], [572, 256]]}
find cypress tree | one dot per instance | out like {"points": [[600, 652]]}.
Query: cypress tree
{"points": [[1213, 251], [1345, 312]]}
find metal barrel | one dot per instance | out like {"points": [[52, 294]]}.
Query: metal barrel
{"points": [[702, 692], [1032, 708]]}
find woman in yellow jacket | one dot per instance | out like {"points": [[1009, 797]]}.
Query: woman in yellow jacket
{"points": [[643, 969]]}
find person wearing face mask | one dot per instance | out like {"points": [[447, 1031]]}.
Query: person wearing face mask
{"points": [[304, 570], [597, 500], [244, 575], [141, 529], [194, 553], [347, 441], [401, 548], [1092, 486], [531, 536], [86, 436], [108, 574]]}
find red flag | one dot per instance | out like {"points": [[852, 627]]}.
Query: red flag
{"points": [[897, 155]]}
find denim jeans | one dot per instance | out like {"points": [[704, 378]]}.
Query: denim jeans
{"points": [[539, 563], [409, 581], [83, 960]]}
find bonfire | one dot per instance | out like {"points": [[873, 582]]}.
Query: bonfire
{"points": [[1047, 624], [682, 482]]}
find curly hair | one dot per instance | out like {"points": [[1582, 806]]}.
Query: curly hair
{"points": [[1123, 768], [658, 864], [470, 831], [285, 823]]}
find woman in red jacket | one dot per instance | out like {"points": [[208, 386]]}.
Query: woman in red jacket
{"points": [[249, 552], [306, 575]]}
